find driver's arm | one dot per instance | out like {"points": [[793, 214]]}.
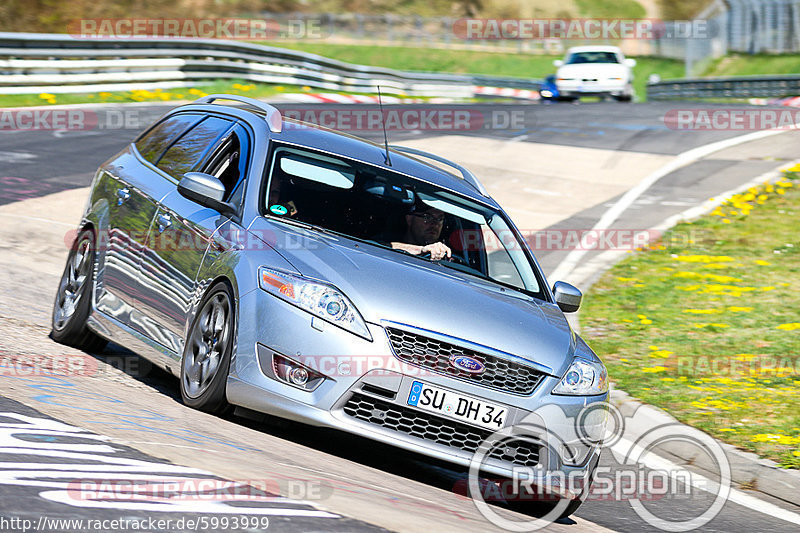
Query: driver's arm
{"points": [[438, 250]]}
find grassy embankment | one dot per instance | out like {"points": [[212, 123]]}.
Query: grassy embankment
{"points": [[706, 323]]}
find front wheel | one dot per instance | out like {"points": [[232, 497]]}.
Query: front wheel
{"points": [[207, 352], [73, 298]]}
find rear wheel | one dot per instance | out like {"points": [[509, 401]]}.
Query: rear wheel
{"points": [[73, 299], [207, 352]]}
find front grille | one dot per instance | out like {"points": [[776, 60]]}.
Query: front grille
{"points": [[436, 429], [426, 352]]}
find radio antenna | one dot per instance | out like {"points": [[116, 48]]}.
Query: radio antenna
{"points": [[387, 161]]}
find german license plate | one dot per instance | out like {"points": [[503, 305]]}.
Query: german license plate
{"points": [[457, 406]]}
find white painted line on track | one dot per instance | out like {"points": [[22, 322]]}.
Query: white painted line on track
{"points": [[572, 259], [37, 219], [582, 273], [656, 462]]}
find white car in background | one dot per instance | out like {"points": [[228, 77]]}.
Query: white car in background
{"points": [[595, 71]]}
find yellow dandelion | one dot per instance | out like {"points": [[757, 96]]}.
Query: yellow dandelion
{"points": [[791, 326], [664, 354]]}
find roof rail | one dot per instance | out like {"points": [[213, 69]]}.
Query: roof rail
{"points": [[468, 176], [274, 118]]}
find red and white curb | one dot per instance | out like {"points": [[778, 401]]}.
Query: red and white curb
{"points": [[525, 94], [792, 101], [333, 98]]}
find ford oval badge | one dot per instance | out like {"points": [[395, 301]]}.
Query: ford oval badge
{"points": [[467, 364]]}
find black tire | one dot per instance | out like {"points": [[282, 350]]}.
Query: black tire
{"points": [[207, 352], [74, 298]]}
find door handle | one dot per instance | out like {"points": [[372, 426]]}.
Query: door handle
{"points": [[164, 221], [123, 195]]}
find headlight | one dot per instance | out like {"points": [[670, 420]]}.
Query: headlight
{"points": [[319, 299], [583, 378]]}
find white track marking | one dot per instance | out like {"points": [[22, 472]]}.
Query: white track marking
{"points": [[609, 217], [656, 462]]}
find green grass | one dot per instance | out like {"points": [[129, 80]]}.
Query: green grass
{"points": [[754, 65], [623, 9], [155, 95], [705, 324], [431, 59], [471, 62]]}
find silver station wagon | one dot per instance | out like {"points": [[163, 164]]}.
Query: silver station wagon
{"points": [[279, 267]]}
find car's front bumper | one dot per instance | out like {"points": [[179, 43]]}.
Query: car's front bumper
{"points": [[367, 390], [599, 88]]}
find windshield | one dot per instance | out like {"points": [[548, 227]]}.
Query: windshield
{"points": [[394, 211], [592, 57]]}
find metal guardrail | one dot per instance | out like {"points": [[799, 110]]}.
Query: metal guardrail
{"points": [[733, 87], [31, 63]]}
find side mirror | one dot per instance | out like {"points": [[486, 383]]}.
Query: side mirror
{"points": [[567, 296], [630, 62], [206, 190], [558, 63]]}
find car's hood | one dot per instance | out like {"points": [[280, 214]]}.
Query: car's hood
{"points": [[593, 70], [387, 286]]}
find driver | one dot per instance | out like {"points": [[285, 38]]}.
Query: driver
{"points": [[423, 229]]}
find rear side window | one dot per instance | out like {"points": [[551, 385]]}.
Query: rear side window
{"points": [[229, 163], [152, 144], [187, 151]]}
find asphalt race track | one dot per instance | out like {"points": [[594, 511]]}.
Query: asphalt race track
{"points": [[559, 168]]}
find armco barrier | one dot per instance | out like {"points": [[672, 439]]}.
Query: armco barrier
{"points": [[733, 87], [31, 63]]}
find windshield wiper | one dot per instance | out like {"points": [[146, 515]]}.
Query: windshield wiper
{"points": [[306, 225]]}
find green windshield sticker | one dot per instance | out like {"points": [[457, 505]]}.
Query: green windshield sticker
{"points": [[278, 209]]}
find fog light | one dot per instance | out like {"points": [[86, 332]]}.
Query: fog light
{"points": [[298, 376]]}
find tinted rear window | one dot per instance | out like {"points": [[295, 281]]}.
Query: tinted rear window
{"points": [[155, 141], [189, 149]]}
